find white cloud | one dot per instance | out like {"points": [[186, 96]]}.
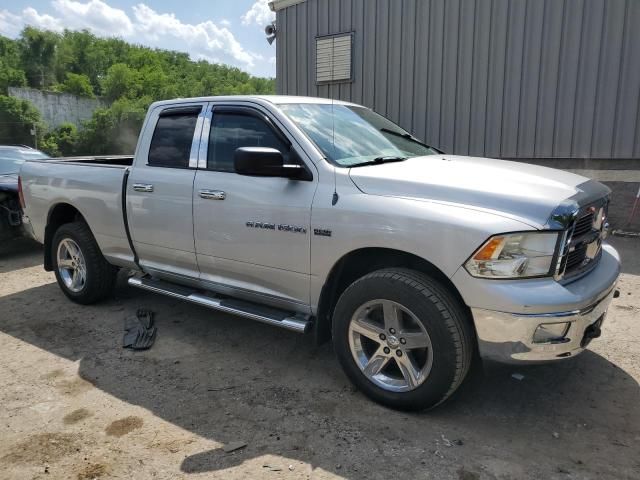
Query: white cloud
{"points": [[10, 24], [259, 14], [31, 16], [94, 15], [206, 40]]}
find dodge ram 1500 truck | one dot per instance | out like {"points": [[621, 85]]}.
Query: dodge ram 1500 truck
{"points": [[321, 216]]}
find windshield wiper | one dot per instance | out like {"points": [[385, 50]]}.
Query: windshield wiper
{"points": [[379, 160], [409, 137]]}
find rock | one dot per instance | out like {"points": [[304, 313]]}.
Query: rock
{"points": [[517, 376], [555, 435]]}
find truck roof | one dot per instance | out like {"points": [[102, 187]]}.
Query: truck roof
{"points": [[274, 99]]}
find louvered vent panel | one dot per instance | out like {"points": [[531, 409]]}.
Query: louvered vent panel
{"points": [[333, 58]]}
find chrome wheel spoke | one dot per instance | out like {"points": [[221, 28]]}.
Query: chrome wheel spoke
{"points": [[376, 363], [367, 329], [415, 340], [73, 248], [391, 316], [409, 371], [65, 263], [75, 279]]}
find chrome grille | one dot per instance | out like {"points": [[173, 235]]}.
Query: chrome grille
{"points": [[584, 224], [575, 258], [582, 247]]}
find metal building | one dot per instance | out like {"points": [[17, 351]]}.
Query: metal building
{"points": [[499, 78]]}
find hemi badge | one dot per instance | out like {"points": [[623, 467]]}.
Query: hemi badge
{"points": [[322, 232]]}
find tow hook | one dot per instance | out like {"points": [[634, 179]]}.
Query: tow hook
{"points": [[592, 332]]}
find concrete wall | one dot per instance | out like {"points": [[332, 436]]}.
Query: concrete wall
{"points": [[493, 78], [57, 108]]}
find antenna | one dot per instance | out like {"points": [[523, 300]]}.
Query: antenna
{"points": [[335, 197]]}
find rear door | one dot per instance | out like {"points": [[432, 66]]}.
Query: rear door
{"points": [[160, 190], [252, 233]]}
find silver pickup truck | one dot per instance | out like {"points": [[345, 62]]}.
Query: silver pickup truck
{"points": [[323, 217]]}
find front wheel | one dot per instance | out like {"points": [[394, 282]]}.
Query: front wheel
{"points": [[82, 272], [402, 339]]}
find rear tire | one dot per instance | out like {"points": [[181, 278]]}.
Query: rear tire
{"points": [[82, 272], [402, 339]]}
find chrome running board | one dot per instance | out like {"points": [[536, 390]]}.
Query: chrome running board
{"points": [[296, 322]]}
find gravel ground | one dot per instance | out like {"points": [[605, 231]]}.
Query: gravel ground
{"points": [[74, 404]]}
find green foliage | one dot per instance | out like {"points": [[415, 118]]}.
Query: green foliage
{"points": [[17, 119], [38, 56], [11, 74], [119, 82], [114, 130], [77, 84], [62, 141], [129, 76]]}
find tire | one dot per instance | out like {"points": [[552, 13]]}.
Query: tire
{"points": [[99, 276], [411, 377]]}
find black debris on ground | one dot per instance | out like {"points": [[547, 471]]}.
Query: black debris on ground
{"points": [[139, 331]]}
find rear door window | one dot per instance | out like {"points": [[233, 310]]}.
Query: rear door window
{"points": [[172, 139]]}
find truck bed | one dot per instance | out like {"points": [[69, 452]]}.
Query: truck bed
{"points": [[92, 185]]}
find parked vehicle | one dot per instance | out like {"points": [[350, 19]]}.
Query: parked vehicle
{"points": [[11, 158], [324, 217]]}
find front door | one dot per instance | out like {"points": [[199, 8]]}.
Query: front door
{"points": [[160, 191], [252, 233]]}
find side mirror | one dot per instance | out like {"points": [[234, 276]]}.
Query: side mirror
{"points": [[265, 162]]}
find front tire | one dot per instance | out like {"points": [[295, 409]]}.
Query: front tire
{"points": [[82, 272], [402, 339]]}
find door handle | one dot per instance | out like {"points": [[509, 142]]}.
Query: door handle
{"points": [[143, 187], [212, 194]]}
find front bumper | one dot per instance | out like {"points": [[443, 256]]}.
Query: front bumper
{"points": [[508, 336]]}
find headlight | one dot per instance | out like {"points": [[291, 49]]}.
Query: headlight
{"points": [[515, 255]]}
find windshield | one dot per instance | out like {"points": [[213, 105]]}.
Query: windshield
{"points": [[361, 135], [12, 158]]}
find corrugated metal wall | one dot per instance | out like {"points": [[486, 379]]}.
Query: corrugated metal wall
{"points": [[497, 78]]}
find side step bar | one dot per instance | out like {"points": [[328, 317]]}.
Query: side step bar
{"points": [[296, 322]]}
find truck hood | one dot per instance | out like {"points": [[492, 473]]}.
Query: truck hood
{"points": [[9, 182], [528, 193]]}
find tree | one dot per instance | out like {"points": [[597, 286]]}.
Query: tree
{"points": [[77, 85], [119, 82], [38, 55], [17, 119], [11, 75], [62, 141], [114, 130]]}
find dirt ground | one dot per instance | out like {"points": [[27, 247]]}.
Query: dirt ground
{"points": [[74, 404]]}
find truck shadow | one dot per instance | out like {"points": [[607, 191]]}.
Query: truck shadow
{"points": [[227, 379], [20, 251]]}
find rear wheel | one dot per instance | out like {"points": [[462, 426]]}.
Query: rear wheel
{"points": [[82, 272], [402, 338]]}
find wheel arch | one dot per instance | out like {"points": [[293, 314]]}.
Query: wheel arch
{"points": [[59, 215], [360, 262]]}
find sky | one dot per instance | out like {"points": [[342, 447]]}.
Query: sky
{"points": [[220, 31]]}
